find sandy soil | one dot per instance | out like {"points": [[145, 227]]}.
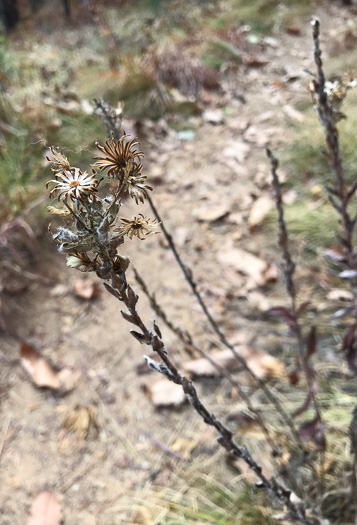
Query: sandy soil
{"points": [[99, 479]]}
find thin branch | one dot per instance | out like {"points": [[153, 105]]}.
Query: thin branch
{"points": [[327, 115], [128, 296], [114, 127], [189, 278], [186, 339], [289, 269]]}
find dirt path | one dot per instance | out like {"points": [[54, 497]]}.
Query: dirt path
{"points": [[222, 170]]}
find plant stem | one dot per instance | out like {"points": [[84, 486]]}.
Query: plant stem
{"points": [[186, 339], [326, 114], [189, 278], [127, 295]]}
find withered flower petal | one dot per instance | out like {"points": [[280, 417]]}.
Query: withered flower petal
{"points": [[59, 162], [119, 157], [138, 226], [81, 262], [73, 184], [136, 187]]}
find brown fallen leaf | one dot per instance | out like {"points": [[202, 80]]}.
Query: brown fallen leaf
{"points": [[86, 288], [293, 113], [164, 393], [184, 446], [257, 269], [237, 150], [292, 30], [211, 212], [263, 364], [45, 510], [338, 294], [43, 374], [81, 419], [259, 210]]}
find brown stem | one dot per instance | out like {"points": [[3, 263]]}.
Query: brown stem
{"points": [[187, 340], [189, 278], [115, 128], [128, 296], [327, 115], [289, 269]]}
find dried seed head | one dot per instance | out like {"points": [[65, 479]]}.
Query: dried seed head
{"points": [[119, 157], [138, 226], [73, 184], [122, 162], [59, 162]]}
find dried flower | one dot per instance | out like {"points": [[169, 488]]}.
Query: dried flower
{"points": [[81, 262], [59, 162], [136, 187], [119, 158], [63, 211], [121, 161], [74, 184], [138, 226]]}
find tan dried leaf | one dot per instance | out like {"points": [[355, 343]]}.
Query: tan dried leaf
{"points": [[242, 261], [45, 510], [259, 210], [43, 374], [184, 446], [164, 393], [262, 364], [81, 419], [338, 294], [211, 212]]}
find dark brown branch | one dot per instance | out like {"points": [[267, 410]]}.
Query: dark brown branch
{"points": [[189, 278], [128, 296], [288, 269], [114, 128], [327, 115], [187, 340]]}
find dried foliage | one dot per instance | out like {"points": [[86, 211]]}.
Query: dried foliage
{"points": [[93, 240]]}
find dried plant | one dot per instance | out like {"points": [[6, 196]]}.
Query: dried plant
{"points": [[328, 98], [306, 348], [93, 240]]}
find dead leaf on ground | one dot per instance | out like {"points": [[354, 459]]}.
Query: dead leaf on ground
{"points": [[263, 364], [86, 288], [81, 419], [164, 393], [259, 210], [237, 150], [293, 30], [184, 446], [242, 261], [181, 236], [293, 113], [45, 510], [43, 374], [142, 516], [211, 212], [338, 294]]}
